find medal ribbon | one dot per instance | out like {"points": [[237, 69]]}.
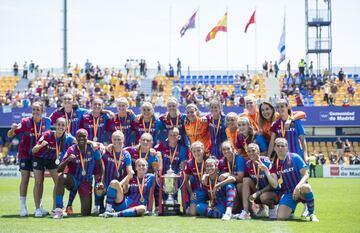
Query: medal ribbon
{"points": [[177, 122], [211, 189], [232, 166], [141, 187], [37, 135], [144, 125], [197, 170], [172, 156], [82, 159], [121, 128], [280, 180], [68, 121], [257, 174], [140, 154], [117, 163], [96, 126]]}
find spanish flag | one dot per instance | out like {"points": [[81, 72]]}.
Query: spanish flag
{"points": [[220, 26]]}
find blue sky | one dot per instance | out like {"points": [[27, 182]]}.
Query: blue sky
{"points": [[110, 31]]}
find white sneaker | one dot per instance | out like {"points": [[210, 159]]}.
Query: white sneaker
{"points": [[108, 214], [262, 213], [244, 215], [38, 213], [226, 217], [305, 212], [23, 212], [58, 213], [313, 218], [272, 214], [96, 210]]}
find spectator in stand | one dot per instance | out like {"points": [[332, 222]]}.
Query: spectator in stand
{"points": [[333, 157], [326, 92], [311, 68], [331, 100], [321, 158], [346, 103], [288, 68], [351, 91], [312, 163], [16, 69], [265, 68], [25, 71], [271, 69], [170, 72], [339, 146], [276, 69], [334, 89], [161, 87], [158, 68], [176, 90], [341, 76], [178, 66], [301, 66], [347, 146], [154, 85], [298, 98]]}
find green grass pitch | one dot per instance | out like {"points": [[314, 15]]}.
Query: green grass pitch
{"points": [[337, 204]]}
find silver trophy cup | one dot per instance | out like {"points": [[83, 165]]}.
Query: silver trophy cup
{"points": [[170, 187]]}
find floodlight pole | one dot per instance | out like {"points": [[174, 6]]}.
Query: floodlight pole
{"points": [[65, 39]]}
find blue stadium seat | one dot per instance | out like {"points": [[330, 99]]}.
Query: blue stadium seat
{"points": [[200, 79], [356, 76], [188, 81], [225, 79], [194, 77], [182, 82], [212, 81], [182, 77], [350, 76], [212, 77], [218, 80]]}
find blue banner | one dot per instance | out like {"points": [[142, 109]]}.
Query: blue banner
{"points": [[315, 116]]}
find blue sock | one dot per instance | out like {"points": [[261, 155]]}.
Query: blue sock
{"points": [[72, 196], [309, 200], [110, 195], [127, 213], [59, 201]]}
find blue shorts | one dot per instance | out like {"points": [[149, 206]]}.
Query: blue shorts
{"points": [[25, 164], [201, 197], [126, 203], [287, 200]]}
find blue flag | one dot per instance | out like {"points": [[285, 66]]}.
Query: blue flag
{"points": [[188, 25], [281, 45]]}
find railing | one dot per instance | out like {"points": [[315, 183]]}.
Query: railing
{"points": [[318, 16]]}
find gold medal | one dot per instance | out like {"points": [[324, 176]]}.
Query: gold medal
{"points": [[83, 173], [57, 161], [142, 199], [95, 139]]}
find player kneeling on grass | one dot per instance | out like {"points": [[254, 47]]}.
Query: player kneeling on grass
{"points": [[255, 187], [80, 161], [132, 196], [289, 173], [194, 171], [117, 164], [221, 190]]}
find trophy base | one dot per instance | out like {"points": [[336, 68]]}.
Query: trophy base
{"points": [[170, 210]]}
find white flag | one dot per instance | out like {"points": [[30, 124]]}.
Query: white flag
{"points": [[281, 45]]}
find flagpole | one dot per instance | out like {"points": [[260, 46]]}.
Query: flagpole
{"points": [[170, 16], [227, 43], [198, 19], [256, 40]]}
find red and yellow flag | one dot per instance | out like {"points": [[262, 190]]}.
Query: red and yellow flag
{"points": [[220, 26]]}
